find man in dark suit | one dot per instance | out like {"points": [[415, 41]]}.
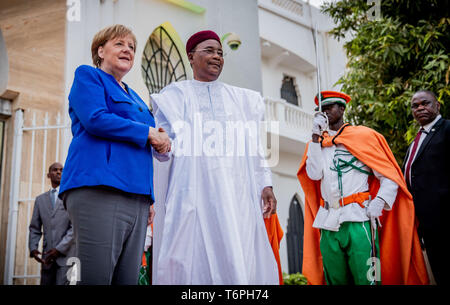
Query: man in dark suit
{"points": [[50, 216], [427, 174]]}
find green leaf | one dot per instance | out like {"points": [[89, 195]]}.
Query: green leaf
{"points": [[388, 60]]}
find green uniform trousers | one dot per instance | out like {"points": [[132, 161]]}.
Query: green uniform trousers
{"points": [[347, 255]]}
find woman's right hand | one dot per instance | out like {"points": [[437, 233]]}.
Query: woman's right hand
{"points": [[159, 140], [151, 215]]}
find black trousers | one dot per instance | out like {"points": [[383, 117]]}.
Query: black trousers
{"points": [[434, 245]]}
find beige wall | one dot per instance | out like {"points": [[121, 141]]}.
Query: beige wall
{"points": [[34, 33]]}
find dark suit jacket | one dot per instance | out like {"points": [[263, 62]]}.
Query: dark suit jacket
{"points": [[56, 226], [430, 177]]}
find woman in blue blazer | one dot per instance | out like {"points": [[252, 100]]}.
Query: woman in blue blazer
{"points": [[107, 183]]}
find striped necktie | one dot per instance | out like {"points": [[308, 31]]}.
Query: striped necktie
{"points": [[412, 155]]}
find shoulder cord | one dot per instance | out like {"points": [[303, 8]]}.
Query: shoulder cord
{"points": [[341, 166]]}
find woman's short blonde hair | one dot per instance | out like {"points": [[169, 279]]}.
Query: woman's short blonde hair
{"points": [[104, 36]]}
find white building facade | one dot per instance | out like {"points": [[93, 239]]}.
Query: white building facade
{"points": [[276, 57], [289, 81]]}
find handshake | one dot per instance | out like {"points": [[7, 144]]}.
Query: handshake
{"points": [[159, 140]]}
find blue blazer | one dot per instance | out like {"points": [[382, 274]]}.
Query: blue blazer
{"points": [[110, 131]]}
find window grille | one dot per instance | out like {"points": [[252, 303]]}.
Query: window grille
{"points": [[294, 236], [288, 91], [161, 61]]}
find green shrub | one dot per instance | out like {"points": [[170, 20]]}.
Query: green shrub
{"points": [[405, 50], [294, 279]]}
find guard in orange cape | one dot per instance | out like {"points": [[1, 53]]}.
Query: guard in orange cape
{"points": [[359, 216]]}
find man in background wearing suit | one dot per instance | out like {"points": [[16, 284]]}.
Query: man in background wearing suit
{"points": [[50, 215], [427, 174]]}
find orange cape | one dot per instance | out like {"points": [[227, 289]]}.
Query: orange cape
{"points": [[275, 233], [401, 257], [144, 259]]}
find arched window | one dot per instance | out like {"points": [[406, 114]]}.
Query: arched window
{"points": [[288, 90], [162, 60], [294, 236]]}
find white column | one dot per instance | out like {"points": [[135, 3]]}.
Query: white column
{"points": [[14, 198]]}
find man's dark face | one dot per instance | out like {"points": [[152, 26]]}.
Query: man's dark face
{"points": [[206, 60], [424, 107], [334, 112], [55, 173]]}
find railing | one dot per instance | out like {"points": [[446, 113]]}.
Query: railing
{"points": [[35, 147], [293, 120], [297, 118], [294, 10], [295, 7]]}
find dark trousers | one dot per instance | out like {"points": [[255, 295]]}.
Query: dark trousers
{"points": [[54, 275], [434, 245], [109, 229]]}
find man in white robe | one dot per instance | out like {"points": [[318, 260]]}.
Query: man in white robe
{"points": [[209, 226]]}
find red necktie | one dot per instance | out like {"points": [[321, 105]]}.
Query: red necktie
{"points": [[413, 153]]}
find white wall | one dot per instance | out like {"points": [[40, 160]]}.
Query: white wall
{"points": [[295, 35], [272, 80], [143, 16], [242, 67], [282, 31], [287, 34], [336, 61], [285, 186]]}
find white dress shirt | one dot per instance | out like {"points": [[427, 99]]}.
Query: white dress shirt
{"points": [[318, 164]]}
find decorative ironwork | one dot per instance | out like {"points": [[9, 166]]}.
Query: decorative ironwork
{"points": [[294, 236], [288, 91], [162, 62]]}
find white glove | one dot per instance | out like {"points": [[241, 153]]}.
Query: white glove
{"points": [[148, 238], [320, 123], [375, 208]]}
